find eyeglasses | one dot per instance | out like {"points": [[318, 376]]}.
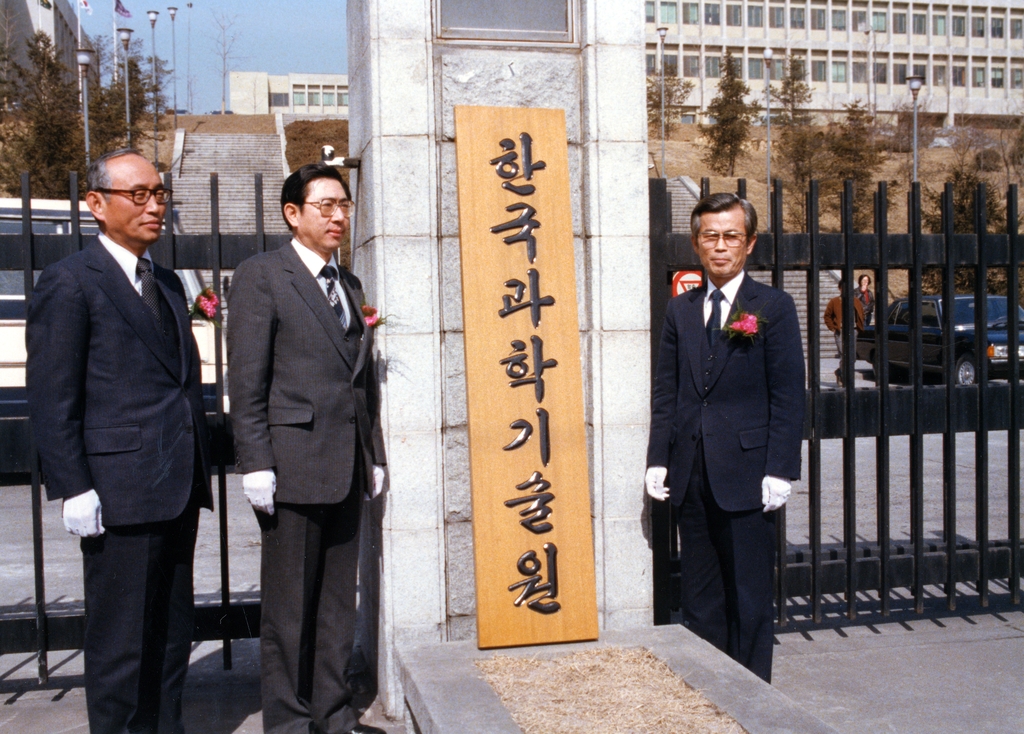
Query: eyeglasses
{"points": [[732, 239], [141, 196], [327, 207]]}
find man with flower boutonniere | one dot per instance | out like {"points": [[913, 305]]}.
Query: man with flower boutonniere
{"points": [[308, 444], [726, 430]]}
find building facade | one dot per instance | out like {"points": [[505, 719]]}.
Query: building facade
{"points": [[259, 93], [971, 54], [21, 19]]}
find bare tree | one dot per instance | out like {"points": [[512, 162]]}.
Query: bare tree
{"points": [[7, 23], [224, 40]]}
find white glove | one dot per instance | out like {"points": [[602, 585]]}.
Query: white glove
{"points": [[259, 487], [83, 515], [378, 481], [774, 493], [655, 482]]}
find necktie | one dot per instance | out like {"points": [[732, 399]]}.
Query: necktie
{"points": [[144, 269], [333, 297], [714, 324]]}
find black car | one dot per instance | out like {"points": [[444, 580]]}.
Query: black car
{"points": [[964, 339]]}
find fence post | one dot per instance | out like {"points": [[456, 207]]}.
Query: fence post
{"points": [[949, 368], [814, 375], [881, 367], [1013, 430], [981, 372], [848, 336]]}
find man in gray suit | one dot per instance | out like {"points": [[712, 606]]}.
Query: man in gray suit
{"points": [[305, 412]]}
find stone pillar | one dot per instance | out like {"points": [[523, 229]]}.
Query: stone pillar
{"points": [[403, 89]]}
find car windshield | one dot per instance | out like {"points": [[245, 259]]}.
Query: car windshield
{"points": [[996, 310]]}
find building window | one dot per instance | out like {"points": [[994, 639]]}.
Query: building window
{"points": [[755, 69], [344, 99], [734, 15], [939, 76], [712, 14], [997, 28], [690, 14], [755, 16], [652, 64], [881, 73], [920, 25], [839, 20], [671, 65], [712, 67], [839, 72], [899, 22], [776, 17], [977, 27], [860, 72], [299, 96], [921, 70], [997, 77], [860, 21], [778, 70], [959, 76], [878, 23], [899, 73], [978, 77], [1017, 28], [668, 13], [959, 25], [328, 97], [314, 96], [796, 18], [818, 71], [1017, 80], [691, 66], [649, 11], [818, 18], [279, 99], [938, 25]]}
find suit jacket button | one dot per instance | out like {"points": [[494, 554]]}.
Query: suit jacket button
{"points": [[352, 419], [704, 403], [346, 338]]}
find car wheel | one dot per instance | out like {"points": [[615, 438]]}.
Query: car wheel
{"points": [[965, 373]]}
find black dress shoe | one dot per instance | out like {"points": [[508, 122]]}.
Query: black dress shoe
{"points": [[365, 729]]}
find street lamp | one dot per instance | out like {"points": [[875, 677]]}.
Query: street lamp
{"points": [[661, 45], [156, 109], [768, 128], [85, 58], [915, 83], [125, 34], [174, 62]]}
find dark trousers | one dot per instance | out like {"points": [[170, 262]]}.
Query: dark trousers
{"points": [[727, 562], [310, 559], [139, 619]]}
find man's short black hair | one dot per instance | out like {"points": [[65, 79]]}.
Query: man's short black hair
{"points": [[714, 203], [97, 177], [296, 186]]}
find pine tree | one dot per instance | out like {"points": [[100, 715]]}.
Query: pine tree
{"points": [[728, 135], [801, 147], [676, 92], [853, 153]]}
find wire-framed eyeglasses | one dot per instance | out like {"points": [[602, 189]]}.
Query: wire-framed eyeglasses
{"points": [[141, 196], [327, 207], [731, 238]]}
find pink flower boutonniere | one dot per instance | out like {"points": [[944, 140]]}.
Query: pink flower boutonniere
{"points": [[204, 308], [744, 325], [372, 318]]}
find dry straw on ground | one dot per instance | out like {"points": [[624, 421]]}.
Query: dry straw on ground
{"points": [[609, 690]]}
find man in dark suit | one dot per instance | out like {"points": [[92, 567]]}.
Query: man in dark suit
{"points": [[115, 399], [726, 429], [304, 406]]}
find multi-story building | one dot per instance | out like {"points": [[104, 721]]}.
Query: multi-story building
{"points": [[971, 54], [19, 21], [259, 93]]}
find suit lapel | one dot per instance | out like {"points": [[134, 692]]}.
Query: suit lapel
{"points": [[310, 291], [182, 322], [355, 302], [694, 334], [112, 281], [746, 299]]}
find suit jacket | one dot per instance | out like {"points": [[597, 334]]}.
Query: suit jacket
{"points": [[304, 395], [744, 397], [833, 317], [111, 408]]}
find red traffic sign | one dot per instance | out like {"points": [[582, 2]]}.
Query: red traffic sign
{"points": [[685, 280]]}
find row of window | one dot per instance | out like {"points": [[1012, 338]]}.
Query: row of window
{"points": [[316, 95], [819, 18], [858, 71]]}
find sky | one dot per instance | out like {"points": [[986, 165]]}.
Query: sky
{"points": [[299, 36]]}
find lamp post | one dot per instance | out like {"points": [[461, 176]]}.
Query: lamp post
{"points": [[188, 67], [661, 58], [174, 62], [156, 109], [125, 34], [768, 128], [915, 83], [85, 58]]}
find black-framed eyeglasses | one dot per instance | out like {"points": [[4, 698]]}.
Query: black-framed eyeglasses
{"points": [[141, 196], [327, 207]]}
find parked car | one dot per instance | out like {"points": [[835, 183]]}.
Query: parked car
{"points": [[966, 348]]}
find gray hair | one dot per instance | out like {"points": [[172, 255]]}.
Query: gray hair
{"points": [[97, 177], [714, 203]]}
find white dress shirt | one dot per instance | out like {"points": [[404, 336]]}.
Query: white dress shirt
{"points": [[729, 291], [315, 263], [126, 260]]}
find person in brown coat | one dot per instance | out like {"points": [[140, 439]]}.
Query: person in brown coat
{"points": [[834, 323]]}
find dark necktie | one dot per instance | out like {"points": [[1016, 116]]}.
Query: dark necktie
{"points": [[333, 297], [714, 324], [144, 269]]}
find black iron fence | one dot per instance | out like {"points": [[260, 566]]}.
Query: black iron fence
{"points": [[44, 629], [811, 571]]}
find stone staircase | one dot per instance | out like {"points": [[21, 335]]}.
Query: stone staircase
{"points": [[236, 159]]}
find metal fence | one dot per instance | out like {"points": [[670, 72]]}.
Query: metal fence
{"points": [[29, 253], [813, 571]]}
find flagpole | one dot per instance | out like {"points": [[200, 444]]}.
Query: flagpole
{"points": [[113, 34]]}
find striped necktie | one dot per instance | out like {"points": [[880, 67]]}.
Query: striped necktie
{"points": [[333, 296]]}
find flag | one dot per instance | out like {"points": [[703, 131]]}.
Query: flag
{"points": [[46, 4], [85, 6], [121, 9]]}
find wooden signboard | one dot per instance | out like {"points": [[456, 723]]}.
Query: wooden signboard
{"points": [[528, 455]]}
